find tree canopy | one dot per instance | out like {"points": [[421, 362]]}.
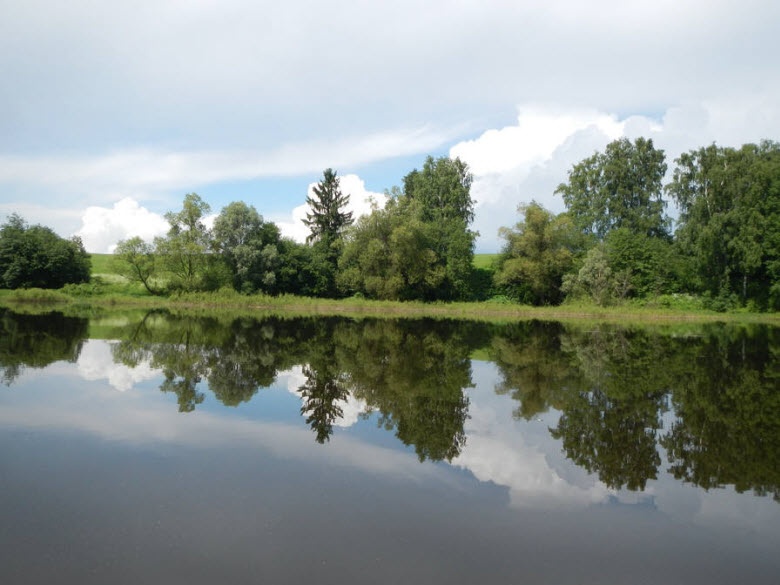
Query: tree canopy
{"points": [[729, 202], [620, 187], [539, 250], [34, 256], [249, 246], [183, 250]]}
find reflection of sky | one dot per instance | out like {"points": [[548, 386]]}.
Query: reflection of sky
{"points": [[518, 455], [95, 363], [522, 456]]}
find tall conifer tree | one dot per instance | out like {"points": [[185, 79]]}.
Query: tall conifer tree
{"points": [[328, 218]]}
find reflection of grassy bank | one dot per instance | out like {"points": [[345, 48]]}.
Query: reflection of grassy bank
{"points": [[230, 301]]}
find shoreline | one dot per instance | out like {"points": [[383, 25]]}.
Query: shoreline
{"points": [[361, 308]]}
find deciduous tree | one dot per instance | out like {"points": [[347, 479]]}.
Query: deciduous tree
{"points": [[183, 249], [539, 250], [249, 246], [621, 187]]}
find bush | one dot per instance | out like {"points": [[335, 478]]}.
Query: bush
{"points": [[723, 302], [36, 257]]}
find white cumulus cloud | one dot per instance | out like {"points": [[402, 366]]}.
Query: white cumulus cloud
{"points": [[102, 227], [539, 131], [527, 161]]}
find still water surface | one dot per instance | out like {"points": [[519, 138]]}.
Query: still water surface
{"points": [[164, 448]]}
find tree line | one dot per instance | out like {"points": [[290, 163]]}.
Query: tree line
{"points": [[418, 246], [615, 240]]}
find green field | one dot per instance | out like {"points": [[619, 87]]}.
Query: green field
{"points": [[102, 264], [104, 267], [485, 260]]}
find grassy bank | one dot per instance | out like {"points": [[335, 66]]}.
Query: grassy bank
{"points": [[226, 300], [111, 290]]}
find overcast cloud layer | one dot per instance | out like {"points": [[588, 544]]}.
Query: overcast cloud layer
{"points": [[110, 106]]}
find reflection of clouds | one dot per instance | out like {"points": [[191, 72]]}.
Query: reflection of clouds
{"points": [[96, 363], [148, 421], [517, 454], [351, 408], [522, 456]]}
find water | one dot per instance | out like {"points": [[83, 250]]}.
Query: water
{"points": [[164, 448]]}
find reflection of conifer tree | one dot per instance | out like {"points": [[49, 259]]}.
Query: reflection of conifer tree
{"points": [[321, 394], [414, 373], [35, 341]]}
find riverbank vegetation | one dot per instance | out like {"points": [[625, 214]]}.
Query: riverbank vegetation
{"points": [[613, 249]]}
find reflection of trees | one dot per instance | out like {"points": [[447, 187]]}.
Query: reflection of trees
{"points": [[35, 341], [326, 388], [612, 385], [536, 371], [610, 423], [322, 393], [728, 414], [235, 358], [414, 374]]}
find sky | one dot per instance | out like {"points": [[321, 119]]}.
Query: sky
{"points": [[110, 112]]}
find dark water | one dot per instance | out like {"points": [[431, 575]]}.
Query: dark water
{"points": [[161, 448]]}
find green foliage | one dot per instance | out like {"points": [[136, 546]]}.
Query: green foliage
{"points": [[647, 264], [249, 247], [682, 302], [39, 295], [481, 284], [594, 280], [538, 252], [136, 261], [328, 218], [620, 187], [183, 250], [306, 270], [439, 196], [413, 373], [443, 189], [615, 388], [34, 256], [391, 254], [727, 404], [399, 253], [729, 225], [35, 341]]}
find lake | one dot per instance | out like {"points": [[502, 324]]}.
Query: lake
{"points": [[163, 447]]}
